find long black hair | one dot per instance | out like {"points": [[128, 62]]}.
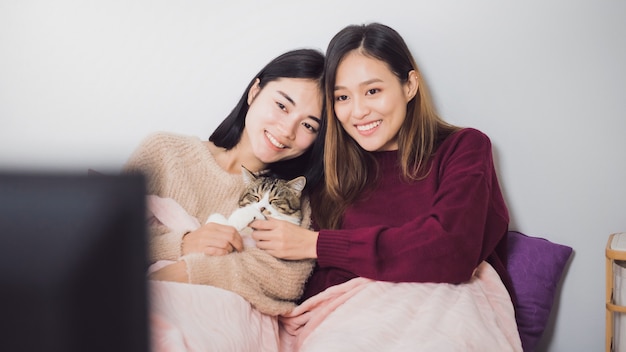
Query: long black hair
{"points": [[299, 63]]}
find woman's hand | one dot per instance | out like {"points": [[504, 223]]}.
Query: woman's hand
{"points": [[172, 272], [212, 239], [284, 240]]}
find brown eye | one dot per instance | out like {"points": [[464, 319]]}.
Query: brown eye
{"points": [[309, 127]]}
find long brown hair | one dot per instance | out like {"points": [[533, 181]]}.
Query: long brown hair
{"points": [[348, 167]]}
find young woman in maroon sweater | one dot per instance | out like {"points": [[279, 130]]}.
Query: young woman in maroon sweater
{"points": [[407, 196]]}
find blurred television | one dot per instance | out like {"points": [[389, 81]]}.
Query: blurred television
{"points": [[72, 263]]}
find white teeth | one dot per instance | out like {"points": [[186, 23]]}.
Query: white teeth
{"points": [[369, 126], [273, 140]]}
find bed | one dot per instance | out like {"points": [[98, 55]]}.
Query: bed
{"points": [[364, 315], [367, 315], [183, 317]]}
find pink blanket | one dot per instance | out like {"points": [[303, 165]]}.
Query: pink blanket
{"points": [[367, 315], [359, 315]]}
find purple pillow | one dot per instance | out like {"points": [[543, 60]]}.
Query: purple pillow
{"points": [[536, 266]]}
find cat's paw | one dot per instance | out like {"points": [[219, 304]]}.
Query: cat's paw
{"points": [[248, 241], [242, 217], [217, 218]]}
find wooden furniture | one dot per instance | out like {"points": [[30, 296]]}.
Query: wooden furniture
{"points": [[615, 251]]}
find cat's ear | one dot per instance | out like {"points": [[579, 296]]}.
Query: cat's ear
{"points": [[248, 176], [297, 184]]}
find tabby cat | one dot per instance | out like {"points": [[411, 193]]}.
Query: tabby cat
{"points": [[264, 197]]}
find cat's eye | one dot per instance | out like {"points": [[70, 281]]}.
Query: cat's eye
{"points": [[253, 198], [279, 203]]}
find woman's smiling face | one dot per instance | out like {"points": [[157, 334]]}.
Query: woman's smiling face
{"points": [[370, 101], [283, 119]]}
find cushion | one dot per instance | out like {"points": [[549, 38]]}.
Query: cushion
{"points": [[536, 266]]}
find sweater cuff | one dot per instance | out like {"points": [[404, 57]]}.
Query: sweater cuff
{"points": [[333, 248], [167, 246]]}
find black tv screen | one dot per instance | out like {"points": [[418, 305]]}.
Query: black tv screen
{"points": [[72, 263]]}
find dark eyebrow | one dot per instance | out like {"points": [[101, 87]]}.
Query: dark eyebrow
{"points": [[365, 83], [294, 104], [287, 97]]}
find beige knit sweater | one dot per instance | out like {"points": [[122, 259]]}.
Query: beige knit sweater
{"points": [[182, 168]]}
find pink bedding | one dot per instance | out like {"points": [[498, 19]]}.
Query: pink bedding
{"points": [[186, 317], [367, 315], [359, 315]]}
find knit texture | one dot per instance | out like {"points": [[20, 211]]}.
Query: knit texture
{"points": [[437, 229], [269, 284], [182, 168]]}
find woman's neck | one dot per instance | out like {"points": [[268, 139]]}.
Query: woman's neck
{"points": [[232, 160]]}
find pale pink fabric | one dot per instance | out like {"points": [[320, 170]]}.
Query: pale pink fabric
{"points": [[170, 213], [367, 315], [358, 315], [187, 317]]}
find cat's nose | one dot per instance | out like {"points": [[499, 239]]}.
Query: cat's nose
{"points": [[266, 211]]}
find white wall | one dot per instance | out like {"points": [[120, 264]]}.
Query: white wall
{"points": [[81, 82]]}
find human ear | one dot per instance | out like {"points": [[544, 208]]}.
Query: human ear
{"points": [[411, 85], [254, 90]]}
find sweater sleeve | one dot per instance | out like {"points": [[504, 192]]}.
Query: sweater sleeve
{"points": [[459, 223], [163, 243], [270, 284]]}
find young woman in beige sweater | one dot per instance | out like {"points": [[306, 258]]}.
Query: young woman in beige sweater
{"points": [[277, 126]]}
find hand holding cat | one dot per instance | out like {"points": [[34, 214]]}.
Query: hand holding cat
{"points": [[284, 240], [212, 239]]}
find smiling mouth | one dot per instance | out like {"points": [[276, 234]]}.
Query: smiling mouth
{"points": [[369, 126], [274, 141]]}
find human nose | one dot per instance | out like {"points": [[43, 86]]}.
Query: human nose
{"points": [[359, 108], [287, 127]]}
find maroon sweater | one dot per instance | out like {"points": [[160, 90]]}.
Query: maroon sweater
{"points": [[438, 229]]}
